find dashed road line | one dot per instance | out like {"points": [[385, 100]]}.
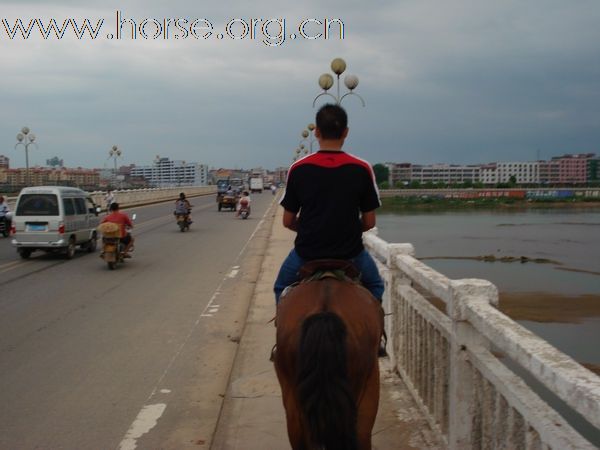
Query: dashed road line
{"points": [[148, 416]]}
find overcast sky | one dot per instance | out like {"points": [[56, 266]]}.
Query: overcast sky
{"points": [[461, 81]]}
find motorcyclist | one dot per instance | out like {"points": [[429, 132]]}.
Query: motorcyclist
{"points": [[4, 213], [183, 206], [244, 202], [124, 223], [109, 198]]}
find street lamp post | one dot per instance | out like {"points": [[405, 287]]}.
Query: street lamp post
{"points": [[26, 138], [338, 66], [326, 82], [115, 153], [308, 135]]}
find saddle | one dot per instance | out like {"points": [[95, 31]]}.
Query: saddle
{"points": [[323, 268]]}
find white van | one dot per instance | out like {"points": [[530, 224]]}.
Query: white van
{"points": [[53, 218]]}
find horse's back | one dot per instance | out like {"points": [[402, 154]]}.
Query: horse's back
{"points": [[323, 326], [360, 312]]}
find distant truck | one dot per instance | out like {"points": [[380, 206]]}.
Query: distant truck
{"points": [[256, 184]]}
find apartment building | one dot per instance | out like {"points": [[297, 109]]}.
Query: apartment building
{"points": [[40, 176], [165, 172], [573, 168], [434, 173], [523, 172]]}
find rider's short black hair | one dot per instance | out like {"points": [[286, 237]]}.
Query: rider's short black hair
{"points": [[114, 206], [331, 120], [182, 195]]}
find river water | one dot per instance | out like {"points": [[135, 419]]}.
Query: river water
{"points": [[557, 298]]}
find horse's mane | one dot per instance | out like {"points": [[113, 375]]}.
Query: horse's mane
{"points": [[328, 333], [323, 388]]}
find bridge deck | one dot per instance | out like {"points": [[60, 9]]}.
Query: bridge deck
{"points": [[253, 416]]}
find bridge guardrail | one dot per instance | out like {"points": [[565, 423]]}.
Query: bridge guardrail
{"points": [[137, 197], [450, 360]]}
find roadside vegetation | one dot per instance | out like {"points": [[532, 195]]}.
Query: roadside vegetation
{"points": [[402, 204]]}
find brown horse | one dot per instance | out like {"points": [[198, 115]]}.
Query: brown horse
{"points": [[328, 333]]}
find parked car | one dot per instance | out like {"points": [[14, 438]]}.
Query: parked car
{"points": [[53, 218]]}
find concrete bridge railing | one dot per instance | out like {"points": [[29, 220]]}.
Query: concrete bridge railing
{"points": [[454, 360], [137, 197]]}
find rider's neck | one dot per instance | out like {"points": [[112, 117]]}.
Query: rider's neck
{"points": [[331, 145]]}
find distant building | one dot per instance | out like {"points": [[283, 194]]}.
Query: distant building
{"points": [[549, 172], [573, 169], [280, 174], [489, 174], [220, 174], [166, 173], [4, 160], [399, 173], [434, 173], [523, 172], [593, 170], [565, 169], [42, 176]]}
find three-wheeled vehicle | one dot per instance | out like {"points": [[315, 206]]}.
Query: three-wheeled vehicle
{"points": [[226, 196]]}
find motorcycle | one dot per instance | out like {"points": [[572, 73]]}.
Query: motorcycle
{"points": [[244, 210], [113, 249], [183, 221], [5, 224]]}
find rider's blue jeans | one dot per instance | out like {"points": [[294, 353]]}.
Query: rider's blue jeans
{"points": [[369, 275]]}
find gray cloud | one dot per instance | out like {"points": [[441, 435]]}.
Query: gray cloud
{"points": [[464, 82]]}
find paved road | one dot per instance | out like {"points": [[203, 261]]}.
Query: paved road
{"points": [[99, 359]]}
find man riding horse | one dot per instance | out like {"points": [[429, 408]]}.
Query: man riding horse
{"points": [[329, 325], [330, 199]]}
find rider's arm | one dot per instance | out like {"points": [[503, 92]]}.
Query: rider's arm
{"points": [[290, 220], [368, 220]]}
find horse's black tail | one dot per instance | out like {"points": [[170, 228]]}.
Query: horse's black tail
{"points": [[323, 389]]}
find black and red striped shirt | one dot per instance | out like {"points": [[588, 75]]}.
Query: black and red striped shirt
{"points": [[330, 189]]}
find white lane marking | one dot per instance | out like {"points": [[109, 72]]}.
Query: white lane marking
{"points": [[144, 422], [234, 271], [165, 391], [210, 306], [13, 265], [148, 411]]}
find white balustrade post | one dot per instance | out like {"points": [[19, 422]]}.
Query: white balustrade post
{"points": [[461, 390], [393, 278]]}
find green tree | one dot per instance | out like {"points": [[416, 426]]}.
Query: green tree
{"points": [[382, 173], [384, 185], [55, 162], [415, 184]]}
